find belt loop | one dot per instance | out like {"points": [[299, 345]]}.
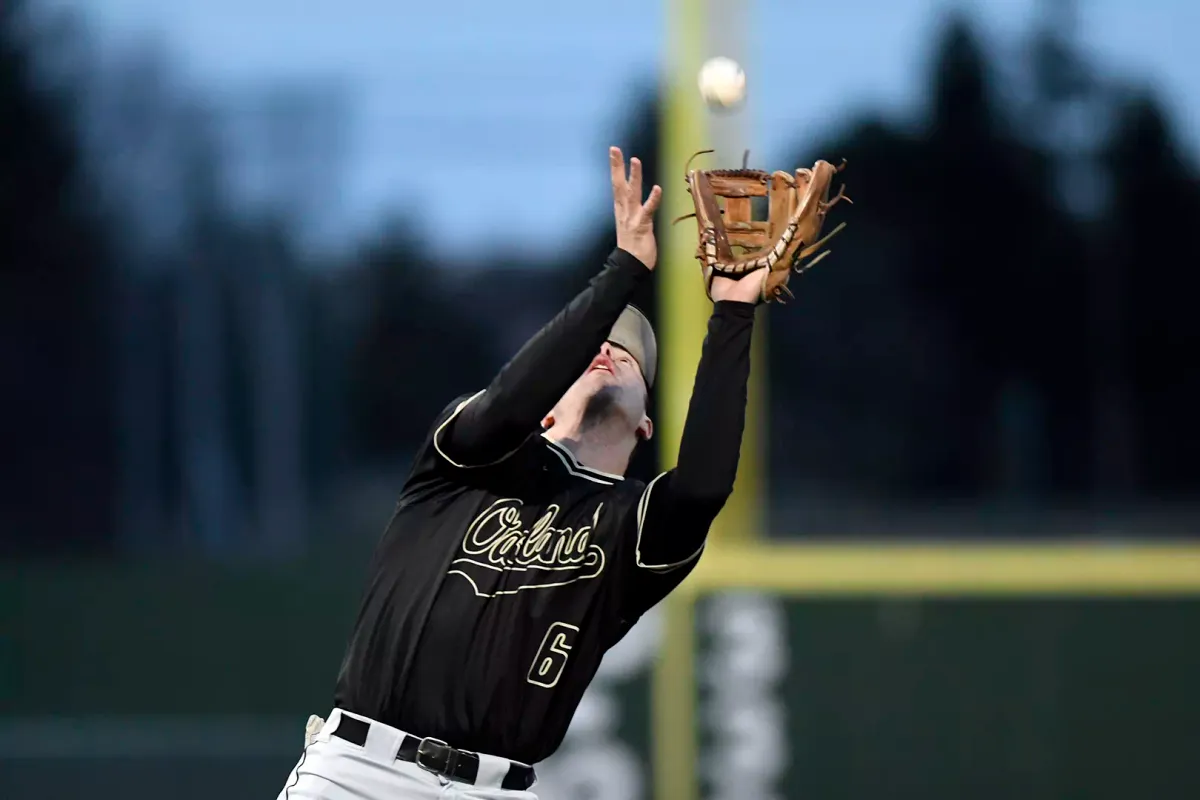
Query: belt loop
{"points": [[332, 722], [382, 743]]}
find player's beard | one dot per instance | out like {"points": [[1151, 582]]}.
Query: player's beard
{"points": [[601, 407]]}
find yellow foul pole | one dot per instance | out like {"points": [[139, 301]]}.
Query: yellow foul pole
{"points": [[696, 30]]}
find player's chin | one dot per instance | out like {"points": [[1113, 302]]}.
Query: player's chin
{"points": [[598, 378]]}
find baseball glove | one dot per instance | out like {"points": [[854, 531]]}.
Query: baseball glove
{"points": [[785, 243]]}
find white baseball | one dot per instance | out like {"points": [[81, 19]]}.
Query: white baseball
{"points": [[722, 82]]}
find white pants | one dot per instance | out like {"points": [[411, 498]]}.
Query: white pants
{"points": [[331, 768]]}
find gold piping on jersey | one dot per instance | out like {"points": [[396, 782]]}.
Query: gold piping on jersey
{"points": [[643, 504], [438, 433], [576, 468]]}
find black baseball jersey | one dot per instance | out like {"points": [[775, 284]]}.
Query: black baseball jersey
{"points": [[509, 568]]}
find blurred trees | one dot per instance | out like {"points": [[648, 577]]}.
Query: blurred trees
{"points": [[1005, 320], [1156, 203], [998, 294], [55, 284], [957, 292]]}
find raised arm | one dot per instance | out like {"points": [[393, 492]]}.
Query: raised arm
{"points": [[495, 422], [678, 506]]}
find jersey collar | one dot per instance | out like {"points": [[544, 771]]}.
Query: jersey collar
{"points": [[579, 470]]}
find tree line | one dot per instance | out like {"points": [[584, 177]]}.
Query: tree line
{"points": [[1008, 316]]}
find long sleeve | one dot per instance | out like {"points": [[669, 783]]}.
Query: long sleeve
{"points": [[678, 506], [495, 422]]}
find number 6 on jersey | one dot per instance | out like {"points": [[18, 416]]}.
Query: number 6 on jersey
{"points": [[551, 658]]}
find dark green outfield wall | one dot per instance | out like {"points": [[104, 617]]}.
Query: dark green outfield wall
{"points": [[968, 699], [173, 639], [805, 699]]}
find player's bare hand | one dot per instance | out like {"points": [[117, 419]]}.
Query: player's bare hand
{"points": [[747, 289], [635, 218]]}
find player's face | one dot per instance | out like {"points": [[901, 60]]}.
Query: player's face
{"points": [[614, 366], [611, 390], [615, 372]]}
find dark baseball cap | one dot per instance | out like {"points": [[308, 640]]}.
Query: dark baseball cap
{"points": [[634, 334]]}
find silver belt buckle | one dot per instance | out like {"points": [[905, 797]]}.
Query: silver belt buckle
{"points": [[434, 755]]}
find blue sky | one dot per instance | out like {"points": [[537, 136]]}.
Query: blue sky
{"points": [[552, 81]]}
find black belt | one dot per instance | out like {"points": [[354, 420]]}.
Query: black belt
{"points": [[437, 757]]}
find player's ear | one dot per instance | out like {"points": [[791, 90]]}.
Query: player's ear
{"points": [[645, 430]]}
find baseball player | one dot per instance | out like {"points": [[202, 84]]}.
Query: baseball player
{"points": [[519, 553]]}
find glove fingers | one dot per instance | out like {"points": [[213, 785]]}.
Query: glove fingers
{"points": [[797, 205]]}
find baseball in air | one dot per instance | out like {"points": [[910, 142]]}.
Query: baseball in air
{"points": [[722, 83]]}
